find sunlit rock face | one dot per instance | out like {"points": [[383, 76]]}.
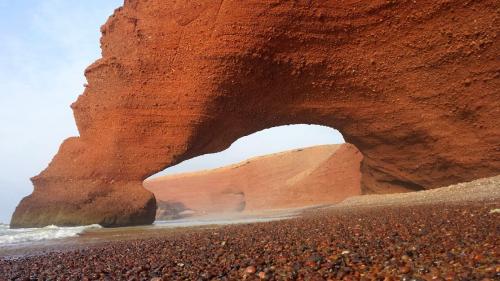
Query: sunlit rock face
{"points": [[298, 178], [412, 84]]}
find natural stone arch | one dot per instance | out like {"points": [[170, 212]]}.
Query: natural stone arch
{"points": [[413, 85]]}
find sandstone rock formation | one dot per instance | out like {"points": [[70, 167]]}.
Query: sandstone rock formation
{"points": [[296, 178], [414, 85]]}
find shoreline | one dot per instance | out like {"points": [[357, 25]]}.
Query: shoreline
{"points": [[95, 237]]}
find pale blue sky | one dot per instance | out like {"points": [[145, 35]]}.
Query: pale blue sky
{"points": [[44, 47]]}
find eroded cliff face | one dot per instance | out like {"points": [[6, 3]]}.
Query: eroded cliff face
{"points": [[297, 178], [414, 85]]}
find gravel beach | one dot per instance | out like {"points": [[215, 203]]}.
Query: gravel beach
{"points": [[457, 240]]}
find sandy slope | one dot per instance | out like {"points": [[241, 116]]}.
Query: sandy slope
{"points": [[486, 190]]}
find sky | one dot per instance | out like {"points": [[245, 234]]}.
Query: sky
{"points": [[44, 48]]}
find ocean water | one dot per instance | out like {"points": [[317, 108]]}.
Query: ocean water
{"points": [[26, 236], [10, 237], [21, 242]]}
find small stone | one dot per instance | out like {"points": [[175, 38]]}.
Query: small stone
{"points": [[250, 269], [310, 263], [405, 258], [405, 269]]}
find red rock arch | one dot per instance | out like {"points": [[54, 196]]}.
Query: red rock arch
{"points": [[413, 85]]}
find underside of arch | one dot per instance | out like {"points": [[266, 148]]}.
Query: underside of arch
{"points": [[414, 86]]}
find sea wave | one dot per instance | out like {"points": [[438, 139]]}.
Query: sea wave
{"points": [[10, 236]]}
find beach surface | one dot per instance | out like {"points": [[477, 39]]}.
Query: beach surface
{"points": [[444, 234]]}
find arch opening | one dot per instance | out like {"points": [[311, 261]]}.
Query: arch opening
{"points": [[282, 167]]}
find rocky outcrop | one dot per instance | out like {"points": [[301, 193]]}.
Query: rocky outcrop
{"points": [[304, 177], [169, 210], [412, 84]]}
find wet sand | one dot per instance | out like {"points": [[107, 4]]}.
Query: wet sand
{"points": [[96, 237], [431, 239]]}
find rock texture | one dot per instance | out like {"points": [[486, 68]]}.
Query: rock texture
{"points": [[414, 85], [297, 178]]}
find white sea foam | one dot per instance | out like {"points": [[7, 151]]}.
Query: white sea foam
{"points": [[10, 236]]}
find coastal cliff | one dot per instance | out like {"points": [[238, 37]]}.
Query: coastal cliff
{"points": [[297, 178], [414, 85]]}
